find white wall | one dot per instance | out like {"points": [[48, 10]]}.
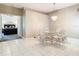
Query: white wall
{"points": [[8, 19], [68, 20], [35, 23]]}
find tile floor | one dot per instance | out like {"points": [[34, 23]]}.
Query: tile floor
{"points": [[32, 47]]}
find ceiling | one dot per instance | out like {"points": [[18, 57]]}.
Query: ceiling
{"points": [[41, 7]]}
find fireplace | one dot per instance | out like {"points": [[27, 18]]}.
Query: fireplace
{"points": [[9, 29]]}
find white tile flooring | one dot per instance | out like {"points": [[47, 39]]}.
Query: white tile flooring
{"points": [[32, 47]]}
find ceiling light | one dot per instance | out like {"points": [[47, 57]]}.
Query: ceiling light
{"points": [[54, 18]]}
